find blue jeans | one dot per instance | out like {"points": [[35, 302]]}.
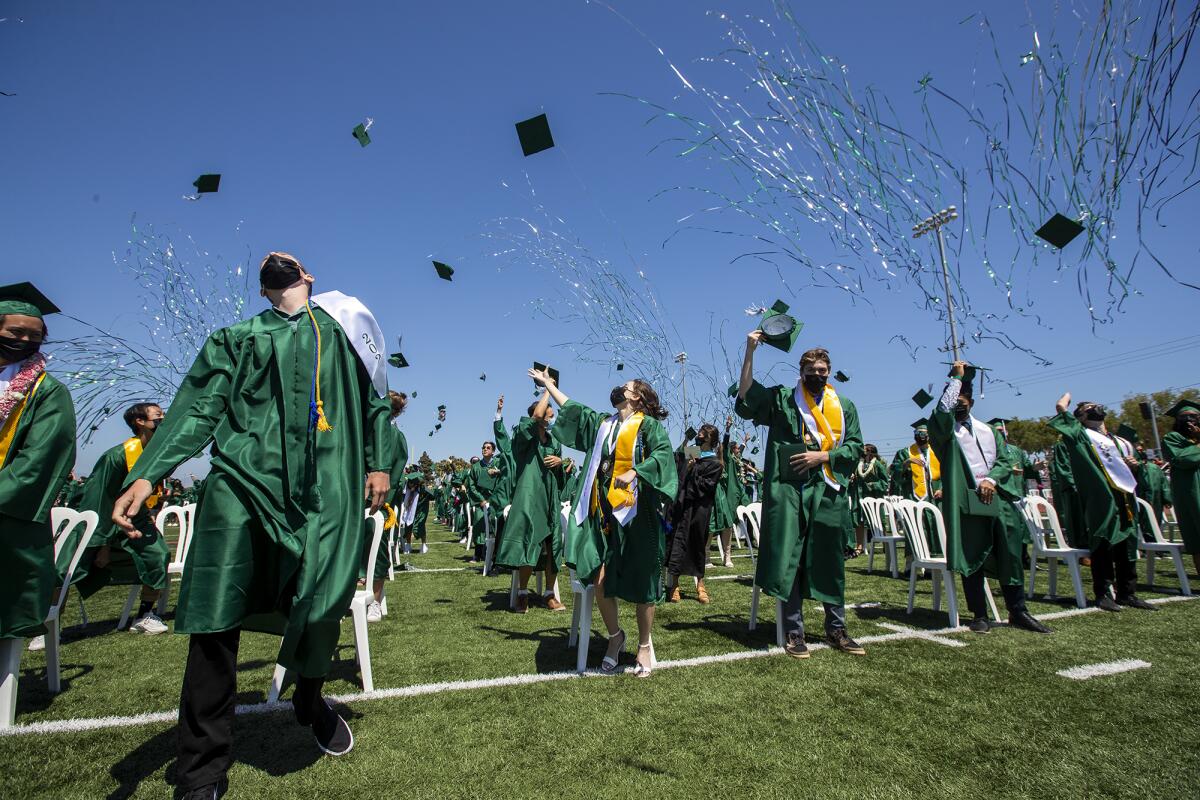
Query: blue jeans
{"points": [[793, 614]]}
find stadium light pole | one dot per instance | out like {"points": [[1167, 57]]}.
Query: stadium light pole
{"points": [[681, 360], [934, 223]]}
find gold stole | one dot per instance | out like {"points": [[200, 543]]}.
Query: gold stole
{"points": [[622, 462], [831, 423], [133, 451], [9, 430], [918, 471]]}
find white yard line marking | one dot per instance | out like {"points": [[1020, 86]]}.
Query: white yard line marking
{"points": [[899, 633], [1086, 671], [727, 577]]}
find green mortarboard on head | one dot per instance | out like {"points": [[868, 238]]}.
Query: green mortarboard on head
{"points": [[1186, 405], [922, 398], [841, 376], [1059, 230], [923, 422], [997, 421], [551, 371], [398, 361], [534, 134], [25, 298], [415, 476], [360, 133], [207, 183], [1128, 432], [779, 328], [444, 271]]}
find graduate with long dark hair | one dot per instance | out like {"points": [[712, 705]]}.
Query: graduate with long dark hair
{"points": [[691, 514]]}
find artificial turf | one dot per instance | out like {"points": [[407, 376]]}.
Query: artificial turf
{"points": [[911, 719]]}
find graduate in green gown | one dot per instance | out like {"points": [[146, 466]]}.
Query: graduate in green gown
{"points": [[869, 479], [616, 541], [294, 405], [484, 485], [813, 444], [532, 534], [1153, 487], [916, 473], [985, 532], [727, 499], [397, 402], [1102, 466], [1066, 498], [1181, 448], [37, 450], [413, 509]]}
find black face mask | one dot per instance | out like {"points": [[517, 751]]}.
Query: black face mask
{"points": [[277, 274], [13, 350], [815, 384], [617, 396], [1095, 414], [921, 437], [961, 411]]}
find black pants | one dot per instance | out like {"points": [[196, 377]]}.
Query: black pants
{"points": [[206, 708], [1107, 556], [1014, 596]]}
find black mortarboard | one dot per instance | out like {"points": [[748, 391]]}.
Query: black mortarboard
{"points": [[437, 427], [754, 452], [922, 398], [441, 408], [360, 133], [841, 376], [779, 328], [620, 367], [483, 376], [414, 394], [997, 421], [690, 433], [25, 298], [431, 433], [1059, 230], [1186, 405], [1128, 432], [444, 271], [398, 360], [551, 371], [733, 389], [535, 135], [207, 183]]}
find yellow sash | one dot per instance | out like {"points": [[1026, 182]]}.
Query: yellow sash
{"points": [[918, 471], [133, 451], [831, 422], [10, 425], [622, 462]]}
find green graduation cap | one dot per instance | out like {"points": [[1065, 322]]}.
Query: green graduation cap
{"points": [[779, 328], [444, 271], [922, 398], [997, 421], [25, 298], [207, 183], [841, 376], [1128, 433], [1185, 405], [414, 393], [398, 361], [733, 389], [360, 133], [534, 134], [414, 476], [923, 422], [1059, 230]]}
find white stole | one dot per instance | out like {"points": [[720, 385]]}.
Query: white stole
{"points": [[810, 422], [605, 433], [409, 510], [363, 332], [1111, 458]]}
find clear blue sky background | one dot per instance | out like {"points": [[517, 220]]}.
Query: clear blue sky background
{"points": [[120, 106]]}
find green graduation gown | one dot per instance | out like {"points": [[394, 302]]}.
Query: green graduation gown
{"points": [[1066, 497], [873, 484], [803, 534], [1107, 511], [483, 487], [277, 538], [1184, 457], [631, 554], [902, 478], [728, 495], [533, 517], [395, 494], [40, 455], [1152, 486]]}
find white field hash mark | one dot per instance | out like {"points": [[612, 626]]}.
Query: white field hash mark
{"points": [[1086, 671]]}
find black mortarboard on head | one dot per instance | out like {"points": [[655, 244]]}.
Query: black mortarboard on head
{"points": [[534, 134], [1059, 230]]}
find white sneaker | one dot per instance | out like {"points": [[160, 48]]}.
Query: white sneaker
{"points": [[463, 540], [374, 611], [424, 548], [150, 625], [37, 643]]}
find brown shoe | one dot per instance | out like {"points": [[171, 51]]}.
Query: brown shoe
{"points": [[674, 596], [795, 646], [702, 594], [553, 603], [840, 640], [522, 604]]}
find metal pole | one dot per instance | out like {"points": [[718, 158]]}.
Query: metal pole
{"points": [[949, 297], [682, 360], [1154, 427]]}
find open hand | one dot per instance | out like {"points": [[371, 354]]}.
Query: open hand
{"points": [[129, 504], [541, 377], [1063, 403]]}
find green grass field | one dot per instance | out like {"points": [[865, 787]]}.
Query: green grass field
{"points": [[914, 718]]}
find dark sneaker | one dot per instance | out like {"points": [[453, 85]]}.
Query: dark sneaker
{"points": [[1133, 601], [522, 606], [212, 791], [332, 733], [838, 639], [1025, 621], [1106, 603], [795, 646], [979, 625]]}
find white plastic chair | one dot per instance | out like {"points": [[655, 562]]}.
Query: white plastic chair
{"points": [[489, 540], [175, 567], [582, 603], [1170, 526], [470, 525], [876, 511], [1050, 543], [358, 611], [1160, 546], [912, 515], [743, 530], [753, 517]]}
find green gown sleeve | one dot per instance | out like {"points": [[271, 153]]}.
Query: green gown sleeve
{"points": [[758, 405], [577, 426], [101, 489], [41, 453], [1181, 452], [656, 470]]}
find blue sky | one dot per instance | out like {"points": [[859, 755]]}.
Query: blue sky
{"points": [[119, 106]]}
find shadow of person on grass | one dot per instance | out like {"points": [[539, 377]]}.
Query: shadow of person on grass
{"points": [[34, 692], [550, 654]]}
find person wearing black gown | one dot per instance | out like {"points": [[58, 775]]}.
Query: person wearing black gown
{"points": [[687, 552]]}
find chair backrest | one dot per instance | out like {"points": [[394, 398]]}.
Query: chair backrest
{"points": [[1042, 521], [506, 508], [62, 520], [870, 507], [918, 513], [182, 519], [1154, 531], [373, 553], [897, 510], [89, 519], [748, 517], [564, 516], [755, 510]]}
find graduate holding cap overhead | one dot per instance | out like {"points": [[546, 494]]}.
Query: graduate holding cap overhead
{"points": [[813, 445], [37, 451], [294, 404], [1181, 448]]}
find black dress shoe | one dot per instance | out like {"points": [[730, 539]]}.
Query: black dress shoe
{"points": [[795, 646], [331, 731], [212, 791], [1106, 603], [980, 625], [1133, 601], [1025, 621]]}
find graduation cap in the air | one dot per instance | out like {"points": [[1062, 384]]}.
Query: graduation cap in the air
{"points": [[689, 434], [483, 376], [1186, 405], [779, 328], [398, 361], [754, 452], [437, 427], [444, 271], [207, 183], [922, 398], [534, 134], [841, 376], [360, 133], [26, 299], [1059, 230], [551, 371], [733, 390], [1128, 433], [620, 367], [431, 433], [414, 394]]}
